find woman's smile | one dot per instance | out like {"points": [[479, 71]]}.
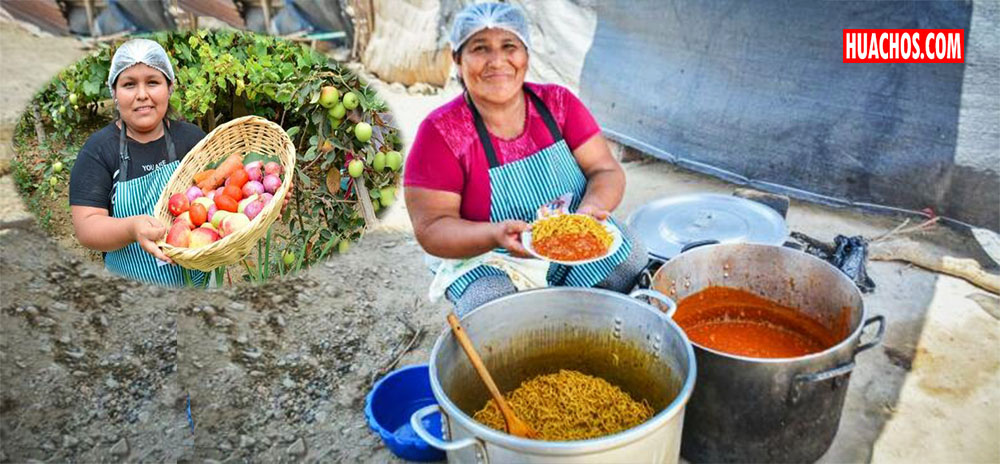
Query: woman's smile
{"points": [[498, 76]]}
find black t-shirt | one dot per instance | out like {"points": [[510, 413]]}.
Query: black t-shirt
{"points": [[91, 180]]}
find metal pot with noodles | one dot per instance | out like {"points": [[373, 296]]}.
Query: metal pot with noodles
{"points": [[600, 376]]}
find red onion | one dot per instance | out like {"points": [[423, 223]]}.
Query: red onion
{"points": [[211, 211], [252, 187], [271, 183], [272, 168], [193, 192], [253, 209], [253, 164], [254, 173]]}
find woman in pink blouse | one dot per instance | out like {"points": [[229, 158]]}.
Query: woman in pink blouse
{"points": [[482, 164]]}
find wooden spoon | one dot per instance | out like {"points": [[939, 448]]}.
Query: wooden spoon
{"points": [[515, 426]]}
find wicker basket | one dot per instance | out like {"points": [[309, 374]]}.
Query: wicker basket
{"points": [[241, 135]]}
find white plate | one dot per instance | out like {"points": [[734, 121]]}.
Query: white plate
{"points": [[616, 234]]}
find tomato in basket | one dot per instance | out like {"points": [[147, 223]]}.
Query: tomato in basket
{"points": [[198, 214], [226, 203], [233, 192], [238, 178]]}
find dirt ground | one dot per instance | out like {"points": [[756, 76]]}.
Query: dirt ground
{"points": [[97, 369]]}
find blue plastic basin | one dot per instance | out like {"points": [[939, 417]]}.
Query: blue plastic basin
{"points": [[388, 408]]}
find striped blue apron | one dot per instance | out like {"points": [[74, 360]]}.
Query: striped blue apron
{"points": [[517, 189], [138, 197]]}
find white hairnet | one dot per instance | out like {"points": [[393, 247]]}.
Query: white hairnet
{"points": [[137, 51], [477, 17]]}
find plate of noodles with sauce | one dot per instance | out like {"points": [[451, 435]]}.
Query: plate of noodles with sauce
{"points": [[571, 239]]}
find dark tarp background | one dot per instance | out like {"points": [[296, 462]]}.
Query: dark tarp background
{"points": [[756, 92]]}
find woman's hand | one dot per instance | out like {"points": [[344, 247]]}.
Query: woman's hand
{"points": [[593, 211], [147, 230], [508, 236]]}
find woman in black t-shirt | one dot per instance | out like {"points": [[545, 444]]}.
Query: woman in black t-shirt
{"points": [[122, 168]]}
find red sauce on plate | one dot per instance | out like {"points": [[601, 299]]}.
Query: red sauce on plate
{"points": [[738, 322], [570, 247]]}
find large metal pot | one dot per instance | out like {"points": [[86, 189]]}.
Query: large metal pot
{"points": [[619, 338], [769, 410]]}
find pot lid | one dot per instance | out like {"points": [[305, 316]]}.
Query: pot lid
{"points": [[668, 224]]}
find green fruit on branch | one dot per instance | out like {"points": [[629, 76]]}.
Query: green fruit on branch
{"points": [[376, 205], [335, 123], [388, 196], [57, 167], [73, 99], [288, 258], [363, 132], [337, 112], [394, 160], [343, 246], [329, 96], [53, 181], [351, 100], [379, 162], [355, 168], [62, 110]]}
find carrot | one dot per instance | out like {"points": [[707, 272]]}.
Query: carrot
{"points": [[203, 175], [232, 163]]}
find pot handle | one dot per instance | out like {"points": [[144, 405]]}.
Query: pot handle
{"points": [[645, 278], [697, 244], [795, 393], [880, 319], [416, 422], [645, 292], [800, 379]]}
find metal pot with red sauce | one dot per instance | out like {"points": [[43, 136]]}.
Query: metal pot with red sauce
{"points": [[737, 322]]}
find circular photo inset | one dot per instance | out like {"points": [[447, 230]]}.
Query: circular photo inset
{"points": [[207, 158]]}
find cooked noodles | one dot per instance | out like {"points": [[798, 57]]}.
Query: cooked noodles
{"points": [[569, 405], [570, 237]]}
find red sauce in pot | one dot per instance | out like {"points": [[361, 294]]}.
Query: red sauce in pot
{"points": [[738, 322]]}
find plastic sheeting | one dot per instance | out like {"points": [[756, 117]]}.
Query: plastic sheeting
{"points": [[757, 93]]}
